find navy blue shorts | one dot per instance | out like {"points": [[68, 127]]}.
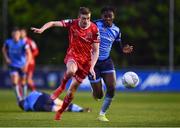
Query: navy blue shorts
{"points": [[13, 70], [102, 66], [44, 103]]}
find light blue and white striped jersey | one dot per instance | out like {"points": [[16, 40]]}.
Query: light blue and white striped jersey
{"points": [[108, 35], [16, 51]]}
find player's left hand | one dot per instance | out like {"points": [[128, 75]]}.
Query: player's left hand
{"points": [[92, 73], [37, 30], [127, 49]]}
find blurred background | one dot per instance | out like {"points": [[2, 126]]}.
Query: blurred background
{"points": [[152, 27]]}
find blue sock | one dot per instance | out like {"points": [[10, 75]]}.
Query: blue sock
{"points": [[17, 92], [24, 91], [106, 104]]}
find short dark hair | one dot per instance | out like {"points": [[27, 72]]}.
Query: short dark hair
{"points": [[84, 10], [15, 29], [107, 8]]}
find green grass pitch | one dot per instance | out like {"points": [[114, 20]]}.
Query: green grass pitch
{"points": [[127, 109]]}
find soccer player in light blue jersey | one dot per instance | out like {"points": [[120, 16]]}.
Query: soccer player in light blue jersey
{"points": [[17, 55], [40, 101], [104, 68]]}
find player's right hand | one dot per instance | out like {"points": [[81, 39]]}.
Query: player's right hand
{"points": [[37, 30], [92, 73]]}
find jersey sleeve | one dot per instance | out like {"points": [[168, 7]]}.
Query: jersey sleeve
{"points": [[118, 38], [96, 35], [26, 46], [67, 22]]}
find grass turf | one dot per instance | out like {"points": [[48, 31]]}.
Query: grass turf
{"points": [[127, 109]]}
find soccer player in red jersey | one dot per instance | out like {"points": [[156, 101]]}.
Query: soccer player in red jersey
{"points": [[81, 55], [31, 66]]}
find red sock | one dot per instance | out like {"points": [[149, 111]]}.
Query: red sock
{"points": [[61, 87], [66, 102]]}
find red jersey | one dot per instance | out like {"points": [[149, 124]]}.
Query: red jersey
{"points": [[81, 40], [80, 46], [33, 47]]}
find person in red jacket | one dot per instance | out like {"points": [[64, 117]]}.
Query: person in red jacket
{"points": [[32, 63]]}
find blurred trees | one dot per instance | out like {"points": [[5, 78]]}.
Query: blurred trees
{"points": [[144, 24]]}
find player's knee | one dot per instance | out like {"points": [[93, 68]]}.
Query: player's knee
{"points": [[15, 82], [70, 72], [23, 82], [98, 95]]}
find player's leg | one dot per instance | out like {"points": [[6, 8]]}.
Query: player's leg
{"points": [[23, 82], [58, 101], [76, 108], [96, 85], [30, 81], [30, 73], [71, 108], [68, 98], [97, 90], [55, 108], [109, 77], [71, 70], [110, 81], [15, 81]]}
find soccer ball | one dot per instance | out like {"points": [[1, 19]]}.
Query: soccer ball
{"points": [[130, 79]]}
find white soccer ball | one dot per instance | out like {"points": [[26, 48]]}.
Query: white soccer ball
{"points": [[130, 79]]}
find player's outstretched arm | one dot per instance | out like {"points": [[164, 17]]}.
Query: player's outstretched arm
{"points": [[46, 26]]}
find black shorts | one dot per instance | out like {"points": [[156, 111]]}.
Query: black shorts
{"points": [[13, 70], [44, 103], [102, 66]]}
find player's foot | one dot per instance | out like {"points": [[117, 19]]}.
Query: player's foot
{"points": [[95, 98], [57, 116], [102, 118]]}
